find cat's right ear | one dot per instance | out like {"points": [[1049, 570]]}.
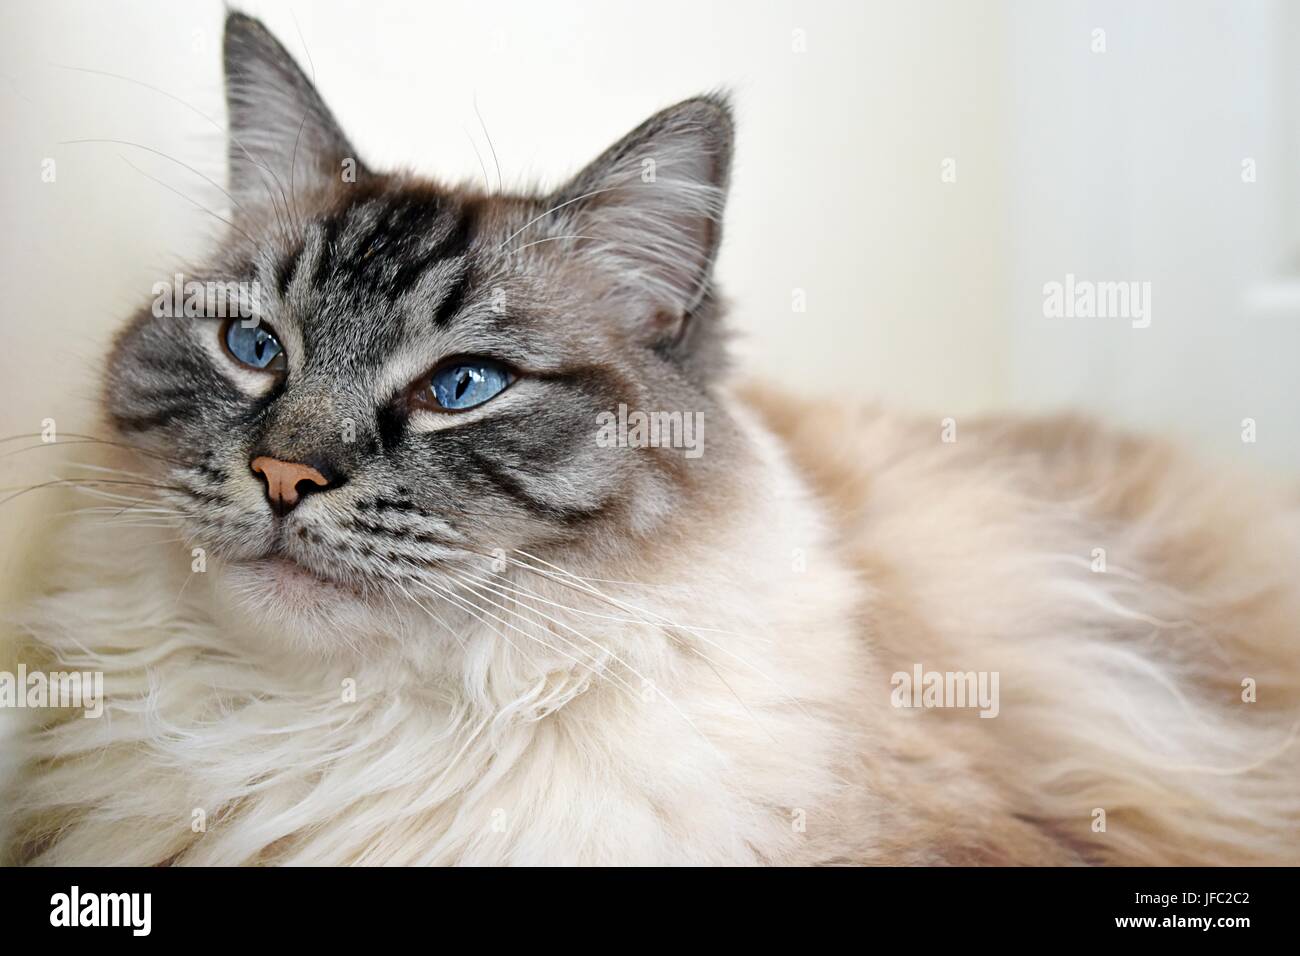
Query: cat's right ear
{"points": [[648, 213], [283, 138]]}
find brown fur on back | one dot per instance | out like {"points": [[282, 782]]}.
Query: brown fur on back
{"points": [[1122, 688]]}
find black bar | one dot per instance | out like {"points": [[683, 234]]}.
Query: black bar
{"points": [[972, 905]]}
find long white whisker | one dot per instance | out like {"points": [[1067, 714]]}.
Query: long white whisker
{"points": [[188, 199], [437, 618], [668, 624], [219, 127], [157, 152], [488, 137], [474, 609], [487, 186], [658, 691], [584, 585], [537, 242], [698, 653], [567, 202], [604, 668]]}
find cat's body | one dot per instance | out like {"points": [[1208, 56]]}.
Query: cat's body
{"points": [[653, 661]]}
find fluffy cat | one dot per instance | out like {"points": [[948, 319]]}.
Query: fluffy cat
{"points": [[432, 620]]}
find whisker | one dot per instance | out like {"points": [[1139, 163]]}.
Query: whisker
{"points": [[538, 242], [576, 610], [487, 186], [696, 651], [105, 469], [445, 626], [221, 128], [626, 606], [603, 667], [558, 206], [488, 137], [73, 481], [653, 684], [693, 631], [110, 509], [104, 495], [157, 152], [87, 440], [690, 723], [474, 611], [293, 159], [188, 199]]}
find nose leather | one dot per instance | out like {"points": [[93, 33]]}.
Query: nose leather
{"points": [[282, 480]]}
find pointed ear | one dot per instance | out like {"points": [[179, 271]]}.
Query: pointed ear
{"points": [[282, 135], [651, 209]]}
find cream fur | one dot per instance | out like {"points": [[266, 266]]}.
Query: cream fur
{"points": [[727, 707]]}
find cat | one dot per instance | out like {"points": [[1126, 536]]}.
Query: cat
{"points": [[421, 615]]}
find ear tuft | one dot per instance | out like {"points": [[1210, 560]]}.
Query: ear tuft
{"points": [[283, 138], [651, 209]]}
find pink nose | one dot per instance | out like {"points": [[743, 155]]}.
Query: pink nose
{"points": [[283, 479]]}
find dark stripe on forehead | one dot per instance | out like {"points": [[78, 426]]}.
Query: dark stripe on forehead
{"points": [[452, 243], [383, 246], [459, 236], [454, 299], [383, 227], [288, 268], [329, 239]]}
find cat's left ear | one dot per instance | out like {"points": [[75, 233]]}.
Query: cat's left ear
{"points": [[650, 211], [283, 138]]}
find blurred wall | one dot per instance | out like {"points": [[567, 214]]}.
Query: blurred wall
{"points": [[1156, 142]]}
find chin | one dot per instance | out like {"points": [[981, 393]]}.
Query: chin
{"points": [[282, 603]]}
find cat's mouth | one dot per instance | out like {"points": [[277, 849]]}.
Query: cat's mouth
{"points": [[293, 584]]}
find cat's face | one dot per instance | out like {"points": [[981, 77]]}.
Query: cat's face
{"points": [[422, 383]]}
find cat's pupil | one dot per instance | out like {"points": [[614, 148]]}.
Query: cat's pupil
{"points": [[462, 382]]}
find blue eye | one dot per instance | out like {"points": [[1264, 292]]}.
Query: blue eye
{"points": [[466, 383], [256, 347]]}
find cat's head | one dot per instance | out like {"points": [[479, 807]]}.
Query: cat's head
{"points": [[430, 374]]}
